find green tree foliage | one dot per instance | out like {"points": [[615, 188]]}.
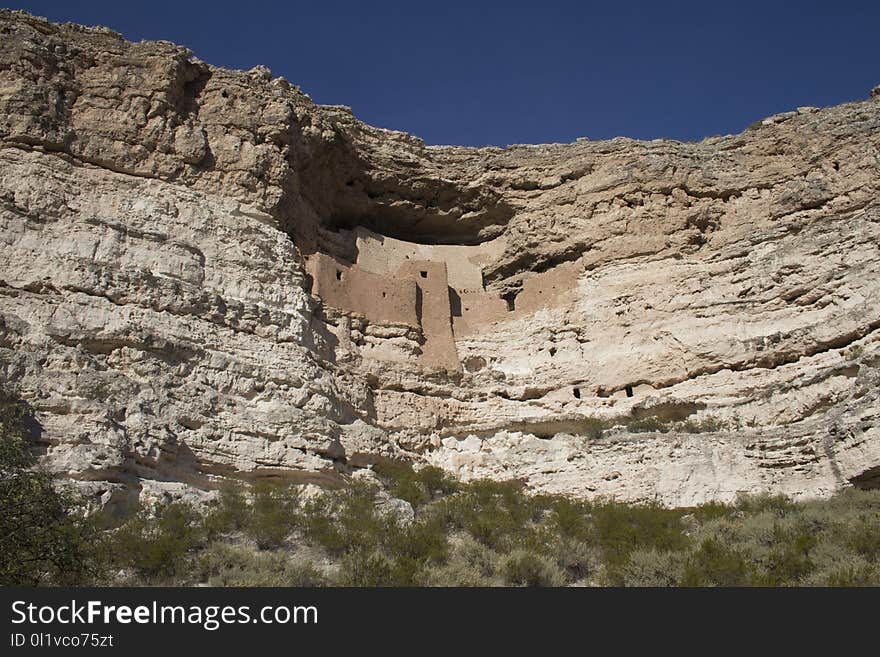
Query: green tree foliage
{"points": [[158, 545], [42, 541]]}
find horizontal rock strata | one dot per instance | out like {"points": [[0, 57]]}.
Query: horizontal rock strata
{"points": [[205, 274]]}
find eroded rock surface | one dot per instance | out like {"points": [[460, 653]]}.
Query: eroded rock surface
{"points": [[203, 273]]}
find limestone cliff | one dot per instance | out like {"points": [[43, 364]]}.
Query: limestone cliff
{"points": [[204, 273]]}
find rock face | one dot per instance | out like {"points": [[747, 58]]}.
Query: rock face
{"points": [[205, 274]]}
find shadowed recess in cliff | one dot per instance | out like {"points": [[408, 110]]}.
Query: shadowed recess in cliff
{"points": [[402, 197]]}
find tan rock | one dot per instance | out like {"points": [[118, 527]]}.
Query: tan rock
{"points": [[171, 235]]}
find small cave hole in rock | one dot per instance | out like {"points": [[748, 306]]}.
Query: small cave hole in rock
{"points": [[629, 391], [384, 295], [338, 275], [552, 351], [510, 298], [474, 363], [423, 274], [836, 165], [577, 393]]}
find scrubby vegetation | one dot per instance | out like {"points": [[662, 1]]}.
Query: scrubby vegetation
{"points": [[401, 526], [42, 536]]}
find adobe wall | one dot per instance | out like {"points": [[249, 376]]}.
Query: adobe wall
{"points": [[381, 299], [433, 311], [551, 288], [479, 308], [436, 287], [386, 255], [547, 289]]}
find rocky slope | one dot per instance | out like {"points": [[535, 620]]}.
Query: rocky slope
{"points": [[713, 329]]}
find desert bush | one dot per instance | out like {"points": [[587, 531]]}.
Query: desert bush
{"points": [[437, 481], [224, 564], [229, 512], [650, 424], [362, 567], [711, 511], [569, 518], [158, 546], [526, 568], [578, 560], [495, 513], [706, 425], [345, 520], [653, 568], [622, 528], [756, 503], [789, 560], [273, 513], [716, 564], [43, 537], [852, 575], [863, 537], [593, 427], [415, 486]]}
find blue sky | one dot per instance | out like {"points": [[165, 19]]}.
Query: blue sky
{"points": [[477, 73]]}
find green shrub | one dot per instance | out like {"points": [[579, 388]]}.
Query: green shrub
{"points": [[569, 518], [494, 513], [43, 536], [229, 512], [592, 427], [652, 568], [437, 481], [345, 520], [273, 513], [366, 568], [415, 486], [789, 560], [716, 564], [470, 564], [864, 538], [706, 425], [403, 482], [622, 528], [222, 564], [757, 503], [578, 560], [849, 576], [158, 546], [526, 568], [712, 511], [650, 424]]}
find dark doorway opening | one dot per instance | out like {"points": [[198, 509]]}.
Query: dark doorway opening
{"points": [[454, 303]]}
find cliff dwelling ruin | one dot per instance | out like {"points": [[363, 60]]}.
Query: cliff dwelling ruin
{"points": [[436, 289]]}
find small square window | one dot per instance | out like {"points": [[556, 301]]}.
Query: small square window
{"points": [[423, 274]]}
